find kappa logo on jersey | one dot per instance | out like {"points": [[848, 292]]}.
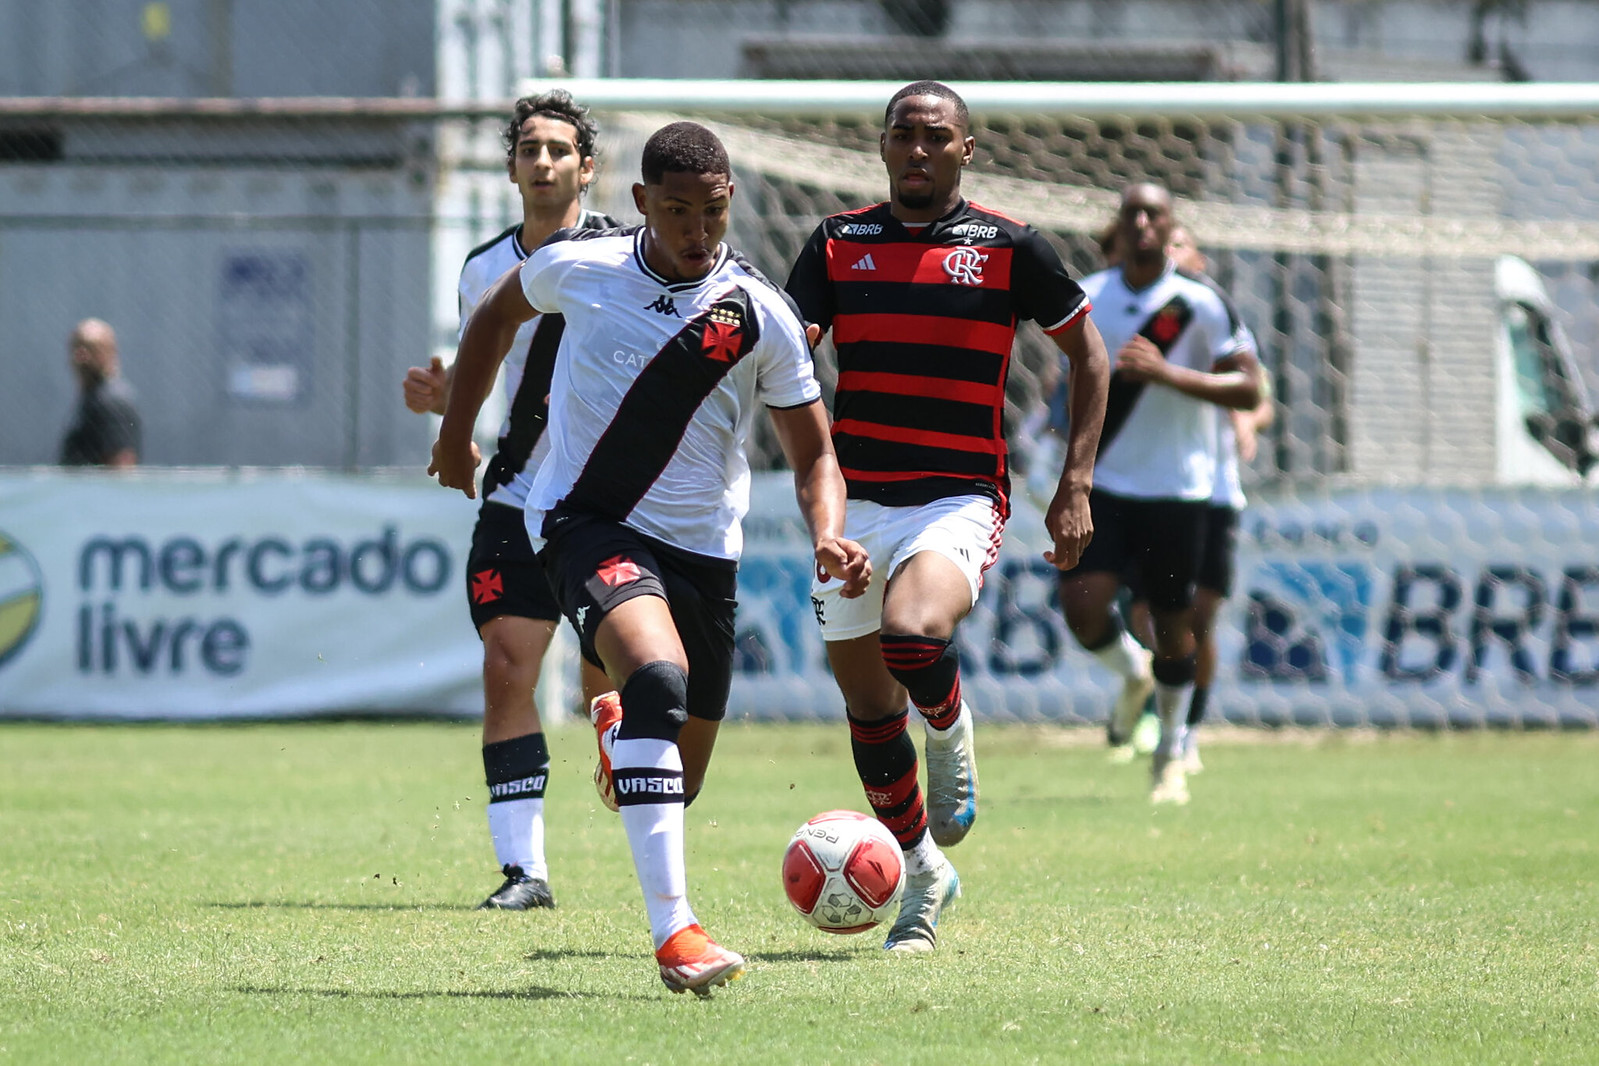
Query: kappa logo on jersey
{"points": [[723, 331], [1166, 326], [487, 586], [618, 570], [864, 263], [860, 229], [663, 305], [965, 266]]}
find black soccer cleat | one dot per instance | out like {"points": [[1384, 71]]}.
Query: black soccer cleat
{"points": [[519, 893]]}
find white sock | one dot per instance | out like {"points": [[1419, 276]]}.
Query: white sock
{"points": [[1124, 655], [1171, 703], [517, 827], [655, 831], [924, 857]]}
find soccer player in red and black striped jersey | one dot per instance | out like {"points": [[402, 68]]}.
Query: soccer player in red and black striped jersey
{"points": [[923, 294]]}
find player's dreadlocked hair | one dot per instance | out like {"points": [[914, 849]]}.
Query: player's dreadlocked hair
{"points": [[684, 148], [930, 88], [559, 105]]}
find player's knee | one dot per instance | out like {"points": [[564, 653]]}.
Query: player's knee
{"points": [[918, 662], [508, 662], [654, 702], [1175, 672]]}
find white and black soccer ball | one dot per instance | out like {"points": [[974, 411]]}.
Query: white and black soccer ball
{"points": [[843, 871]]}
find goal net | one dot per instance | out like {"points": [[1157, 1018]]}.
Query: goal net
{"points": [[1417, 263]]}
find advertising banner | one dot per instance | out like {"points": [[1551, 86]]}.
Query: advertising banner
{"points": [[179, 594], [1363, 607], [176, 594]]}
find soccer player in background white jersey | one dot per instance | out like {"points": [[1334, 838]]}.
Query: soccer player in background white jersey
{"points": [[1181, 355], [671, 341], [1236, 434], [550, 158]]}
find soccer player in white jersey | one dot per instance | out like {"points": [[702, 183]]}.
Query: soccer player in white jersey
{"points": [[550, 158], [1213, 582], [1181, 356], [671, 341]]}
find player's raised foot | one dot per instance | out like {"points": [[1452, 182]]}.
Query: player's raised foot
{"points": [[519, 893], [924, 898], [1135, 692], [1168, 783], [692, 962], [605, 711], [952, 780], [1191, 761]]}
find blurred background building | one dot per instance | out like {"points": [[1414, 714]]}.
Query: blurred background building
{"points": [[273, 208]]}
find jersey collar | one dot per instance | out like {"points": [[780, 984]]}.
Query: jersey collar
{"points": [[676, 286]]}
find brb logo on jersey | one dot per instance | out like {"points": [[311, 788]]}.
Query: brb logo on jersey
{"points": [[965, 266], [21, 597]]}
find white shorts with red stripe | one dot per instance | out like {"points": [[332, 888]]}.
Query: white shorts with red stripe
{"points": [[966, 530]]}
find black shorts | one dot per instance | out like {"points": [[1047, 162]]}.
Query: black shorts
{"points": [[503, 576], [595, 565], [1157, 543], [1221, 544]]}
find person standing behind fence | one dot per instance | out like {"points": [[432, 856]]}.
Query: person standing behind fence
{"points": [[550, 157], [672, 341], [105, 429], [1181, 352], [923, 293]]}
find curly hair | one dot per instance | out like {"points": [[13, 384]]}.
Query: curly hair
{"points": [[683, 148], [559, 105]]}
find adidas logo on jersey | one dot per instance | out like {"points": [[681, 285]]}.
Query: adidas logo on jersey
{"points": [[864, 263], [663, 305]]}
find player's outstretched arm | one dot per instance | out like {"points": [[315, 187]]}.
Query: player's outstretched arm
{"points": [[486, 339], [1067, 520], [819, 487]]}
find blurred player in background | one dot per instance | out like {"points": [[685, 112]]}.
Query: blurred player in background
{"points": [[550, 157], [1236, 442], [1181, 353], [671, 341], [922, 294], [105, 429]]}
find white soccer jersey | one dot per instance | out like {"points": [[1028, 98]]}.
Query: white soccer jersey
{"points": [[655, 389], [1159, 443], [1229, 491], [507, 481]]}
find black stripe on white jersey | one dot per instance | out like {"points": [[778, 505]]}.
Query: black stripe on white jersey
{"points": [[530, 407], [651, 419]]}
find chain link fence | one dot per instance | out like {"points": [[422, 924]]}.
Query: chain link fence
{"points": [[273, 220]]}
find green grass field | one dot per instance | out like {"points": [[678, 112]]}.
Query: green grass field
{"points": [[277, 893]]}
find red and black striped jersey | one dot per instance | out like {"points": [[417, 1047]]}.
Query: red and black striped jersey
{"points": [[924, 320]]}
